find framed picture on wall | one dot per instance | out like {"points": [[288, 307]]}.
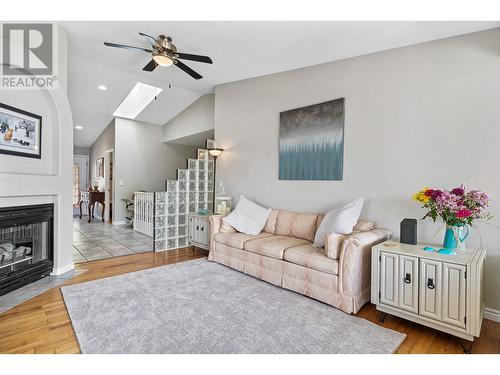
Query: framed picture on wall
{"points": [[311, 142], [99, 167], [20, 132]]}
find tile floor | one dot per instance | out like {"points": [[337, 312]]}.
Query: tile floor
{"points": [[29, 291], [98, 240]]}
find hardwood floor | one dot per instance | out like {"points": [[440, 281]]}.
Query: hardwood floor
{"points": [[42, 324]]}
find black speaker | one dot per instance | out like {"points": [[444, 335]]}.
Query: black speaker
{"points": [[408, 231]]}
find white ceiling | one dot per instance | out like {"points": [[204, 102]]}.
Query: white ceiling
{"points": [[239, 50]]}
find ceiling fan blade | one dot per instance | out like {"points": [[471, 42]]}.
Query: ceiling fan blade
{"points": [[151, 39], [199, 58], [127, 47], [150, 66], [187, 69]]}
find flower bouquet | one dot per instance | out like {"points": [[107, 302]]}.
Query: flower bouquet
{"points": [[458, 209]]}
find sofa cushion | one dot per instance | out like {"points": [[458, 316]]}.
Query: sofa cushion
{"points": [[333, 245], [270, 226], [319, 220], [226, 228], [273, 246], [284, 223], [312, 257], [236, 239], [363, 226], [298, 225]]}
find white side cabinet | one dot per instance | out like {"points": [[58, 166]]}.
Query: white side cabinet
{"points": [[199, 231], [444, 292]]}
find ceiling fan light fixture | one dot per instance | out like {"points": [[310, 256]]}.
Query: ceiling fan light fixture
{"points": [[162, 59]]}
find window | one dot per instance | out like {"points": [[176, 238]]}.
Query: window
{"points": [[76, 184]]}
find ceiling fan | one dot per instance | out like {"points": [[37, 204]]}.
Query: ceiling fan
{"points": [[164, 53]]}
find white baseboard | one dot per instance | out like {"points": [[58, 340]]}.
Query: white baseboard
{"points": [[119, 222], [61, 270], [491, 314]]}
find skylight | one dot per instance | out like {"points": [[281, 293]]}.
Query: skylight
{"points": [[137, 99]]}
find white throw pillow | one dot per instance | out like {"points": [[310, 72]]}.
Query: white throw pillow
{"points": [[248, 217], [339, 221]]}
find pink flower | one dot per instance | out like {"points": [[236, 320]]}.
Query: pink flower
{"points": [[478, 197], [461, 214], [447, 201]]}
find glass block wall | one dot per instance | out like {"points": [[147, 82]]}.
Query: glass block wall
{"points": [[191, 192]]}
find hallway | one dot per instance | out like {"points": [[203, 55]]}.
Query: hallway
{"points": [[98, 240]]}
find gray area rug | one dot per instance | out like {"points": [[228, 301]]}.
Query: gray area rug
{"points": [[204, 307]]}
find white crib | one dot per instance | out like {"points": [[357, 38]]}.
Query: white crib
{"points": [[144, 212]]}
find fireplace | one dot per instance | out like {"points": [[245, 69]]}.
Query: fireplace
{"points": [[26, 245]]}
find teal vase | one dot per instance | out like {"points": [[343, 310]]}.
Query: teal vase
{"points": [[452, 234]]}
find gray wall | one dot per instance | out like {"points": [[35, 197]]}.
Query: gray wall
{"points": [[193, 125], [104, 142], [143, 161], [77, 150], [425, 115]]}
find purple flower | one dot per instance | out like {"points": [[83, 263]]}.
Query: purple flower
{"points": [[433, 193], [458, 191], [436, 193]]}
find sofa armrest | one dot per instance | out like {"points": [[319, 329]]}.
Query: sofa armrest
{"points": [[355, 260], [215, 224]]}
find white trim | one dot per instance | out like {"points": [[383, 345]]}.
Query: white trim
{"points": [[491, 314], [119, 222], [61, 270]]}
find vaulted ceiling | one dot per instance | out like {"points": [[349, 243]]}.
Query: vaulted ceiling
{"points": [[240, 50]]}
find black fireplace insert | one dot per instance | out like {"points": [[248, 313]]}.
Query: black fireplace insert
{"points": [[26, 245]]}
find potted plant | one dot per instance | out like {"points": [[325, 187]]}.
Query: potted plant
{"points": [[458, 209]]}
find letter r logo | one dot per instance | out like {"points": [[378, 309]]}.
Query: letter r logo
{"points": [[28, 47]]}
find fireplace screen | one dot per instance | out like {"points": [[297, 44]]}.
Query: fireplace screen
{"points": [[26, 235], [22, 245]]}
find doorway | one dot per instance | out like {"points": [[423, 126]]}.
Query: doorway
{"points": [[80, 179], [108, 185]]}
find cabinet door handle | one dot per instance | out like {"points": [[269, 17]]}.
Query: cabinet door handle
{"points": [[407, 278], [202, 228], [430, 283], [197, 227]]}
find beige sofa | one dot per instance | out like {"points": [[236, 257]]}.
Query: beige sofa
{"points": [[282, 254]]}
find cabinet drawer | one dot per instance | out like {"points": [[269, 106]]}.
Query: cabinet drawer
{"points": [[454, 294], [430, 289], [408, 283], [389, 279]]}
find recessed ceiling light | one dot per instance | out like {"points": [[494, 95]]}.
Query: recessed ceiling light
{"points": [[102, 87], [137, 99], [79, 127]]}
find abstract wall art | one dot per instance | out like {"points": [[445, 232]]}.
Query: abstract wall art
{"points": [[311, 142]]}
